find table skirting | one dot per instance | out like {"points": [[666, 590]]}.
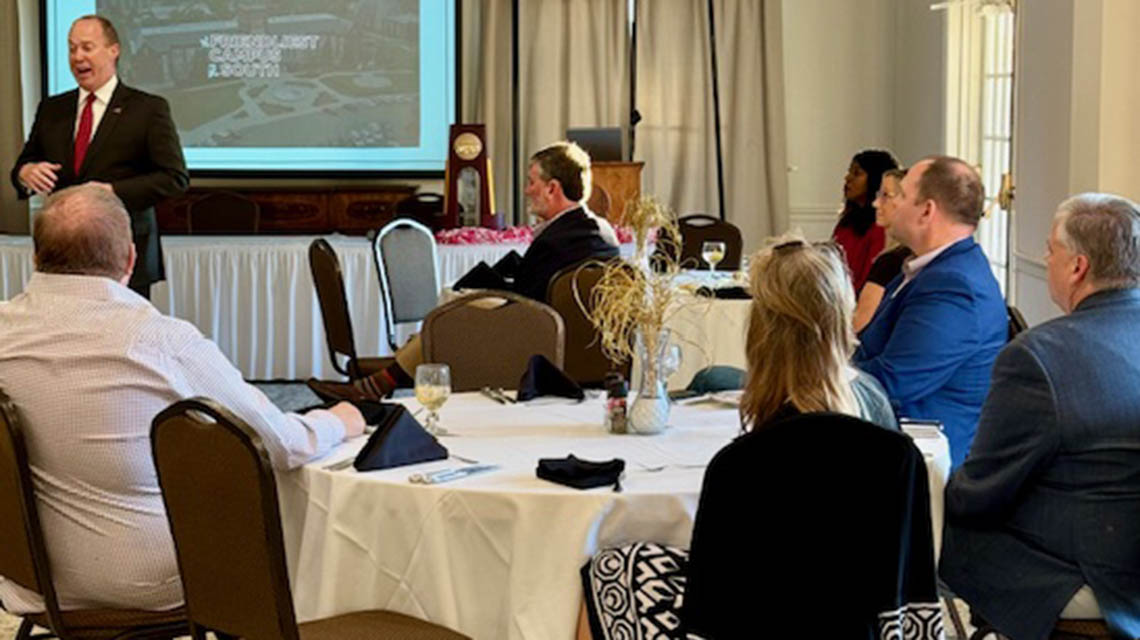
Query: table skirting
{"points": [[254, 297]]}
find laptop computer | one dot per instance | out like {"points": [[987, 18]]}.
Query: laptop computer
{"points": [[604, 144]]}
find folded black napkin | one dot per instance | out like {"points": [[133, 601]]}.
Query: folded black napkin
{"points": [[725, 293], [581, 474], [508, 265], [482, 277], [543, 378], [399, 440]]}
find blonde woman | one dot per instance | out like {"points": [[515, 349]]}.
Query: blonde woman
{"points": [[889, 263], [800, 339]]}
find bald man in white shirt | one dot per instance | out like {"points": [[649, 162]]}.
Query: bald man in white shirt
{"points": [[89, 363]]}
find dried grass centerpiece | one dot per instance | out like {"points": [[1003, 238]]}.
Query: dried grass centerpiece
{"points": [[631, 303]]}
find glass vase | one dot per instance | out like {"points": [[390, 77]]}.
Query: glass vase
{"points": [[658, 359]]}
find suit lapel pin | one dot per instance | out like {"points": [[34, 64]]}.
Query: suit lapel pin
{"points": [[117, 110]]}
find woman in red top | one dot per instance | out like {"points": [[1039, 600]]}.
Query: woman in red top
{"points": [[861, 238]]}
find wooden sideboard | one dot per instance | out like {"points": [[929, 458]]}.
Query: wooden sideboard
{"points": [[351, 211]]}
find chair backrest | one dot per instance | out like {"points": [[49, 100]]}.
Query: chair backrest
{"points": [[805, 476], [329, 283], [224, 212], [1017, 322], [585, 362], [491, 346], [699, 227], [221, 503], [23, 557], [407, 263]]}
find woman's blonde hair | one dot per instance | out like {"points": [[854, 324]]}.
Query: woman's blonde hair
{"points": [[800, 336]]}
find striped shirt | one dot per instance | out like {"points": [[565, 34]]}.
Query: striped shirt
{"points": [[89, 363]]}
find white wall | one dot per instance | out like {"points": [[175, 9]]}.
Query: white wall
{"points": [[1119, 95], [918, 117], [857, 75], [1076, 128]]}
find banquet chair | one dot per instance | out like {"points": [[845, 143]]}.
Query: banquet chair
{"points": [[221, 502], [697, 228], [329, 283], [24, 559], [223, 212], [407, 264], [838, 499], [586, 364], [1017, 322], [489, 344]]}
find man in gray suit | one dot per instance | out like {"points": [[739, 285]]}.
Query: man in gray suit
{"points": [[1043, 518]]}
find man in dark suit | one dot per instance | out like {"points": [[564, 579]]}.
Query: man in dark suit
{"points": [[558, 182], [108, 134], [935, 335], [1043, 518]]}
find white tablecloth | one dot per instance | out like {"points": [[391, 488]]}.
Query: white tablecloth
{"points": [[253, 295], [709, 331], [497, 555]]}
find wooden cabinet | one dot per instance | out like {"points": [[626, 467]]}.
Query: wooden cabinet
{"points": [[621, 181], [351, 211]]}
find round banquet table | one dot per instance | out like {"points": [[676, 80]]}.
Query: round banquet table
{"points": [[497, 555]]}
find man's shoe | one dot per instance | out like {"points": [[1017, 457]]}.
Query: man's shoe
{"points": [[337, 391]]}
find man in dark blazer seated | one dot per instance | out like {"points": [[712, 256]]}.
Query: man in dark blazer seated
{"points": [[942, 321], [108, 134], [558, 182], [1043, 518]]}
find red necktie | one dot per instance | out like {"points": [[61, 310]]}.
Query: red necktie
{"points": [[83, 137]]}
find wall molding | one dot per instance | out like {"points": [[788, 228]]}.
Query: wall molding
{"points": [[1031, 266], [813, 213]]}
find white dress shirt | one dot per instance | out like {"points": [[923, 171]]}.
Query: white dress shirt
{"points": [[98, 108], [89, 363], [912, 265]]}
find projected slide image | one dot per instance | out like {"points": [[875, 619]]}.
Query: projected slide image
{"points": [[278, 73]]}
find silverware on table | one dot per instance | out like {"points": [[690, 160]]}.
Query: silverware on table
{"points": [[490, 393], [341, 465], [506, 399]]}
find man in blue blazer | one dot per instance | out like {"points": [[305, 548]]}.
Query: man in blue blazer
{"points": [[933, 340], [1047, 505]]}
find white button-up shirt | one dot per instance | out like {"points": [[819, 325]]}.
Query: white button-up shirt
{"points": [[98, 108], [89, 363], [914, 264]]}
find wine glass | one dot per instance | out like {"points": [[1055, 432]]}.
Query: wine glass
{"points": [[713, 252], [433, 386]]}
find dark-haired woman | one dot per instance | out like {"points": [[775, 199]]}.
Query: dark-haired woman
{"points": [[861, 238]]}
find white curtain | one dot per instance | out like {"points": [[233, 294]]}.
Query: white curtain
{"points": [[674, 95], [486, 88], [13, 212], [573, 68], [573, 72]]}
